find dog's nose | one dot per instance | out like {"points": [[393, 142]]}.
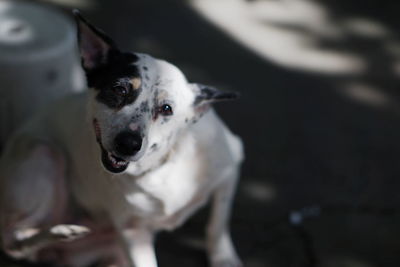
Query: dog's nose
{"points": [[128, 143]]}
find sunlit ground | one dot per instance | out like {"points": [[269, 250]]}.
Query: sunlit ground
{"points": [[319, 115], [292, 33], [74, 3]]}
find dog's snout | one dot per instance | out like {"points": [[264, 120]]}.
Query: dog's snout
{"points": [[128, 143]]}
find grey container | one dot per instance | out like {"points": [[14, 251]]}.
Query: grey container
{"points": [[38, 61]]}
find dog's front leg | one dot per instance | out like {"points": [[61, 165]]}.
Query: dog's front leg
{"points": [[138, 246], [219, 244]]}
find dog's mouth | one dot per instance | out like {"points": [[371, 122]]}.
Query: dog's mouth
{"points": [[111, 162]]}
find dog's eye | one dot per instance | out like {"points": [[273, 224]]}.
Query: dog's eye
{"points": [[120, 90], [166, 110]]}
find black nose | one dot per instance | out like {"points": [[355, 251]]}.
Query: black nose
{"points": [[128, 143]]}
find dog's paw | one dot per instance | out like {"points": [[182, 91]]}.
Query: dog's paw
{"points": [[68, 232], [227, 263]]}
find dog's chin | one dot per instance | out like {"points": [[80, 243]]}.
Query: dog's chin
{"points": [[113, 163]]}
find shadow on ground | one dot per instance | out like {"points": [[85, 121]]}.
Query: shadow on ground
{"points": [[320, 182]]}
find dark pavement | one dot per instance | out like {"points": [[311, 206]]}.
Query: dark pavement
{"points": [[314, 148]]}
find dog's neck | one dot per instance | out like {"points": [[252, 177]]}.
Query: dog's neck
{"points": [[143, 171]]}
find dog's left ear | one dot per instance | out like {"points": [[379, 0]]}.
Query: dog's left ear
{"points": [[207, 94], [94, 45]]}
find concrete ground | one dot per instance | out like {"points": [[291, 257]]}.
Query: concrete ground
{"points": [[320, 184]]}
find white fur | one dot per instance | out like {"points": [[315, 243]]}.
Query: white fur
{"points": [[158, 191]]}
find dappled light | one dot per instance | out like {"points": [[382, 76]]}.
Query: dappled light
{"points": [[365, 28], [346, 262], [74, 3], [285, 32], [365, 94], [259, 191], [319, 115], [307, 36]]}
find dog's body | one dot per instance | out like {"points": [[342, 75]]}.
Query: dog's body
{"points": [[163, 153]]}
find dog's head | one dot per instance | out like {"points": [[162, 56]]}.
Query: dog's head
{"points": [[138, 104]]}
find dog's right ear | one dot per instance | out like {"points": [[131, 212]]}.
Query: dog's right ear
{"points": [[94, 45]]}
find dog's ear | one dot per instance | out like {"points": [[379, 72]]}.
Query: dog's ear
{"points": [[94, 44], [207, 94]]}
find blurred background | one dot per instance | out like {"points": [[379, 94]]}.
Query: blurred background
{"points": [[319, 116]]}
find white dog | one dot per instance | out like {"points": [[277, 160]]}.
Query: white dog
{"points": [[139, 152]]}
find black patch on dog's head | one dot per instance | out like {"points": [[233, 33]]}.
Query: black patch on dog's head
{"points": [[105, 65], [118, 71]]}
